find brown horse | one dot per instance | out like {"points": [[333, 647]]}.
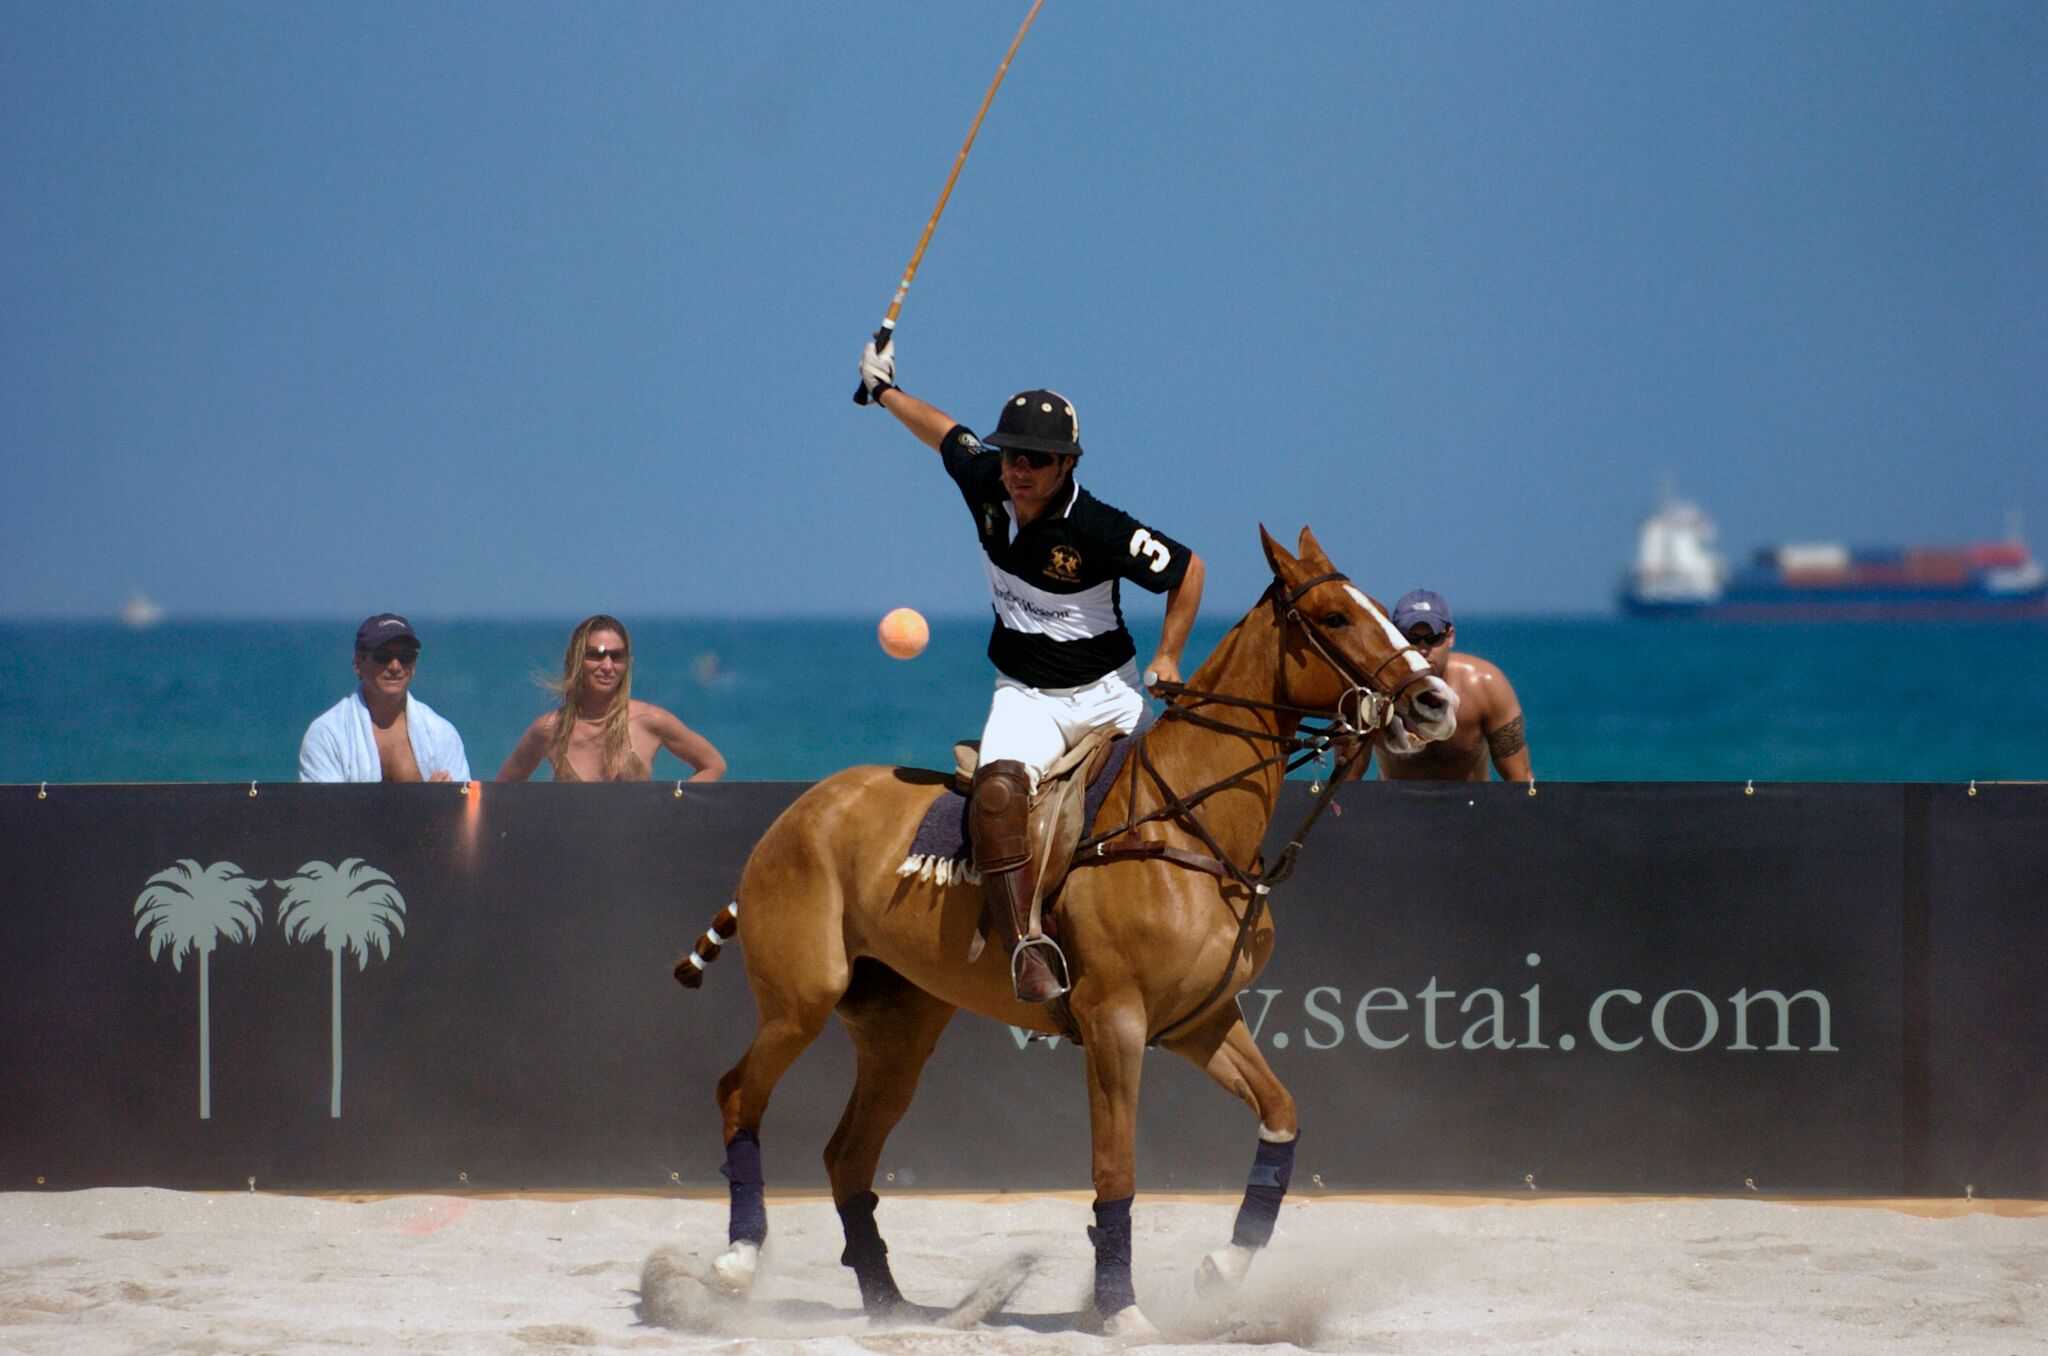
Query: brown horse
{"points": [[1160, 933]]}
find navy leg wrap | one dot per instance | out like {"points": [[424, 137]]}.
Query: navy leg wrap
{"points": [[867, 1254], [742, 1168], [1111, 1236], [1272, 1169]]}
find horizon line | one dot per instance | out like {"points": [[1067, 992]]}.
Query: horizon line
{"points": [[171, 620]]}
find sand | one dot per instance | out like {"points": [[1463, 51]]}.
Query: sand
{"points": [[184, 1272]]}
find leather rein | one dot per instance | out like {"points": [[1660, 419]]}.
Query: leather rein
{"points": [[1371, 705]]}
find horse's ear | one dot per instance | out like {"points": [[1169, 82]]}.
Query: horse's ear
{"points": [[1310, 549], [1276, 554]]}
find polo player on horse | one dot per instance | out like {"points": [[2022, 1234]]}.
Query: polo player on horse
{"points": [[1065, 663]]}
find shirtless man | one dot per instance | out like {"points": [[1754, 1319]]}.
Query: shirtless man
{"points": [[1489, 716], [380, 731]]}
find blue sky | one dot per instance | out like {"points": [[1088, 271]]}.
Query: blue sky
{"points": [[510, 309]]}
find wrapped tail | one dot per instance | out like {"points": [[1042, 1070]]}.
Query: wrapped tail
{"points": [[690, 967]]}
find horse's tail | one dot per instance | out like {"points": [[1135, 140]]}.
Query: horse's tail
{"points": [[690, 966]]}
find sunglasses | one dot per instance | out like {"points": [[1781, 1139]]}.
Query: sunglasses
{"points": [[1424, 640], [382, 658], [1037, 461], [597, 654]]}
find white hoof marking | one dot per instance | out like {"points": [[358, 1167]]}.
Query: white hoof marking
{"points": [[1129, 1326], [1223, 1269], [735, 1268]]}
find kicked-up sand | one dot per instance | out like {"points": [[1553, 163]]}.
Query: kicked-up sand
{"points": [[142, 1270]]}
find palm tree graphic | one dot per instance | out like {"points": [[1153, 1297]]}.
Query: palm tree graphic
{"points": [[189, 908], [353, 907]]}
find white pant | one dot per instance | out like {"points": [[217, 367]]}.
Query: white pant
{"points": [[1035, 725]]}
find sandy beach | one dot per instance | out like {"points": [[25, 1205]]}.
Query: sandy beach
{"points": [[144, 1270]]}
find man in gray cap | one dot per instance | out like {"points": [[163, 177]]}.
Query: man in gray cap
{"points": [[1489, 714], [380, 731]]}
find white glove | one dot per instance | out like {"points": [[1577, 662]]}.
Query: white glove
{"points": [[877, 370]]}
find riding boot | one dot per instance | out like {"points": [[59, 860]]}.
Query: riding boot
{"points": [[1000, 807]]}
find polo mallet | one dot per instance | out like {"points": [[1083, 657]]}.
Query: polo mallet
{"points": [[888, 329]]}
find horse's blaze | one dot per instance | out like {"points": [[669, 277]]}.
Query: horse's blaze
{"points": [[1416, 663]]}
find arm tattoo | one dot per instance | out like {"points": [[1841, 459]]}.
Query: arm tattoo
{"points": [[1506, 741]]}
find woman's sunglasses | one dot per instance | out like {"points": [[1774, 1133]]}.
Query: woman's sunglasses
{"points": [[597, 654]]}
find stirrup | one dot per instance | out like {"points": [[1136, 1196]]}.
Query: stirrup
{"points": [[1056, 963]]}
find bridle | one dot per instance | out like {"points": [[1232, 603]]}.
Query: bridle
{"points": [[1372, 697], [1371, 700]]}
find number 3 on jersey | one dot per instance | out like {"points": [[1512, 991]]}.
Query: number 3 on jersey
{"points": [[1143, 543]]}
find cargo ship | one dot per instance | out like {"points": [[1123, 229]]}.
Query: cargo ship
{"points": [[1678, 573]]}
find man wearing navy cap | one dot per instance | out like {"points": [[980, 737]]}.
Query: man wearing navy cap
{"points": [[1065, 663], [380, 731], [1489, 714]]}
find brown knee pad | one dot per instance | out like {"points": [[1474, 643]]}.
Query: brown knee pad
{"points": [[999, 812]]}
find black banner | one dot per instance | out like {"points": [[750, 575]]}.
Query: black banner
{"points": [[1661, 987]]}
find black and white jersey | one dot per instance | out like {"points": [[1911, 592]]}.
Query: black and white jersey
{"points": [[1059, 620]]}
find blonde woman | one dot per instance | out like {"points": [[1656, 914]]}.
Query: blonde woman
{"points": [[599, 733]]}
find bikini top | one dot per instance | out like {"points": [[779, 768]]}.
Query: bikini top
{"points": [[634, 769]]}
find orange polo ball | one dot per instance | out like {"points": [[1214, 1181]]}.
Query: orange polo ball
{"points": [[903, 633]]}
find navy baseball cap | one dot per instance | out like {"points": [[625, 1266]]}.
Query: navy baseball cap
{"points": [[383, 629], [1420, 607], [1038, 421]]}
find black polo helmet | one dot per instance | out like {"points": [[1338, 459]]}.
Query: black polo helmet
{"points": [[1038, 421]]}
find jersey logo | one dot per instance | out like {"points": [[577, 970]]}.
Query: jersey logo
{"points": [[1064, 565], [1143, 543]]}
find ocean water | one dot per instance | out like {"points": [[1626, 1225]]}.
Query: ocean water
{"points": [[793, 700]]}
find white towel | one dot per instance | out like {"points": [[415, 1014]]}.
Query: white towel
{"points": [[341, 746]]}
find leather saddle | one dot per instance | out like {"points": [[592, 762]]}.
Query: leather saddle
{"points": [[1057, 819]]}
